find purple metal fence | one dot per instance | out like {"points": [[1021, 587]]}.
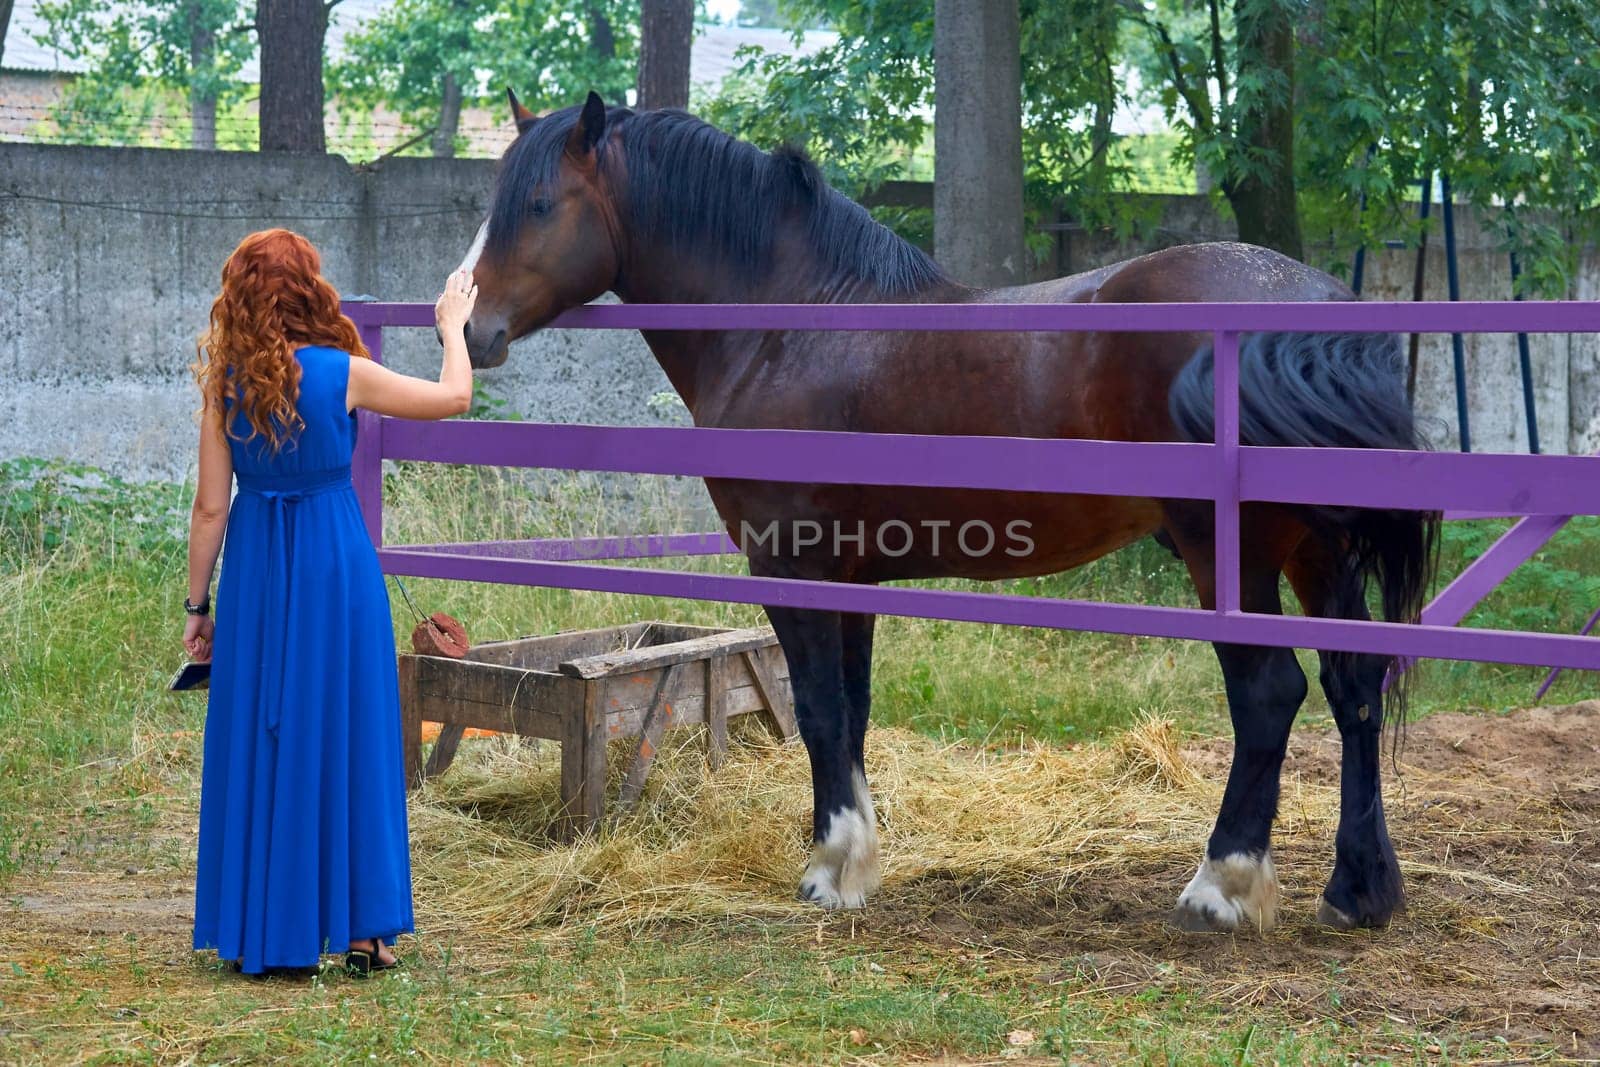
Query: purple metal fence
{"points": [[1545, 487]]}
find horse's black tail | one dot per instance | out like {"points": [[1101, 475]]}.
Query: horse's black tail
{"points": [[1330, 391]]}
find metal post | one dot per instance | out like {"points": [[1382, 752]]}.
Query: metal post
{"points": [[1529, 404], [366, 465], [1457, 348], [1225, 385], [1417, 279]]}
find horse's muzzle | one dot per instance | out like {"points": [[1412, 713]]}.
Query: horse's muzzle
{"points": [[490, 354]]}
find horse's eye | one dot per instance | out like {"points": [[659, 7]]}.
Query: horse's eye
{"points": [[540, 206]]}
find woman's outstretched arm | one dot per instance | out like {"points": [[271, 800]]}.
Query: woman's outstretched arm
{"points": [[379, 389]]}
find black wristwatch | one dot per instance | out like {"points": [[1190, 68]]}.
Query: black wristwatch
{"points": [[202, 608]]}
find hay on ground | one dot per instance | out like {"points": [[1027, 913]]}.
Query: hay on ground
{"points": [[707, 844]]}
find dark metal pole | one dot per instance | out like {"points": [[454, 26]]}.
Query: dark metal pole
{"points": [[1417, 280], [1458, 350], [1529, 404]]}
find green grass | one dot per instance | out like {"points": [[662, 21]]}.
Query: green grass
{"points": [[717, 995], [99, 770]]}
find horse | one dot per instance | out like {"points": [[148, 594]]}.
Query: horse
{"points": [[661, 207]]}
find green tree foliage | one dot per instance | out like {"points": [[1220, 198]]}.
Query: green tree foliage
{"points": [[854, 103], [1499, 94], [139, 55], [549, 51], [1293, 130], [863, 104]]}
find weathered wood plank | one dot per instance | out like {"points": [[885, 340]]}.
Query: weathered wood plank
{"points": [[716, 704], [657, 717], [649, 657], [627, 696], [411, 708], [583, 762], [492, 697], [778, 702], [666, 633], [527, 722], [547, 651], [444, 749]]}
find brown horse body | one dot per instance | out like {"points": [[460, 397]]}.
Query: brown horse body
{"points": [[1053, 385], [649, 206]]}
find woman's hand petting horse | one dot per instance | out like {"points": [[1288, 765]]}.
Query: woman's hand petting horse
{"points": [[455, 304], [376, 388]]}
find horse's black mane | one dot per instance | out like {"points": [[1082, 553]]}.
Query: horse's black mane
{"points": [[692, 187]]}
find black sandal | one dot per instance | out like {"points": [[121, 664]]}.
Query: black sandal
{"points": [[364, 962]]}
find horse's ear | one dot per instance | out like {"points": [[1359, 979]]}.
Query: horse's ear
{"points": [[590, 128], [519, 114]]}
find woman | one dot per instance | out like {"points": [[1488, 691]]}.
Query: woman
{"points": [[302, 803]]}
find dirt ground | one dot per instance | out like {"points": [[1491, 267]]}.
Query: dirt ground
{"points": [[1496, 820], [1488, 812]]}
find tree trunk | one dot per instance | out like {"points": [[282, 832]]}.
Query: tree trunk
{"points": [[202, 94], [602, 39], [5, 24], [444, 134], [666, 33], [1265, 205], [291, 34], [977, 141]]}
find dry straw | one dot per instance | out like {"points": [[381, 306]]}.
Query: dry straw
{"points": [[707, 844]]}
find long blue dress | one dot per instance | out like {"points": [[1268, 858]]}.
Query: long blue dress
{"points": [[303, 842]]}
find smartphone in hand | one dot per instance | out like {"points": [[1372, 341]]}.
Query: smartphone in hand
{"points": [[191, 676]]}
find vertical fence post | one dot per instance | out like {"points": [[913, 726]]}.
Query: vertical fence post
{"points": [[366, 465], [1225, 402], [1530, 409], [1457, 350]]}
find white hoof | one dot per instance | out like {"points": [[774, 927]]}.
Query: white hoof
{"points": [[843, 868], [1229, 893]]}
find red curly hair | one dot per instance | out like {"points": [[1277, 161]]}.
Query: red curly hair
{"points": [[274, 299]]}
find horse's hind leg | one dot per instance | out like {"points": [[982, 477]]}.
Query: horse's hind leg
{"points": [[843, 867], [1365, 889], [1236, 883]]}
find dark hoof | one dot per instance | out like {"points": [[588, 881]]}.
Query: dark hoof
{"points": [[1328, 915], [1199, 921], [1369, 917]]}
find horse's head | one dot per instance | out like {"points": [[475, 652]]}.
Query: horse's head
{"points": [[550, 242]]}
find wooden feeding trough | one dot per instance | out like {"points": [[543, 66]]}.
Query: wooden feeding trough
{"points": [[590, 687]]}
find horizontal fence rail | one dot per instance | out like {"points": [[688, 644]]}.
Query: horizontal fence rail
{"points": [[1355, 477], [1550, 487], [1466, 316]]}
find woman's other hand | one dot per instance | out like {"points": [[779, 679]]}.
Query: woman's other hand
{"points": [[197, 633], [454, 306]]}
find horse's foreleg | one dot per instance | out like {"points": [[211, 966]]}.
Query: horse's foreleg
{"points": [[1365, 889], [1236, 884], [857, 634], [843, 867]]}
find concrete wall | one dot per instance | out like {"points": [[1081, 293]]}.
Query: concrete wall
{"points": [[109, 259]]}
